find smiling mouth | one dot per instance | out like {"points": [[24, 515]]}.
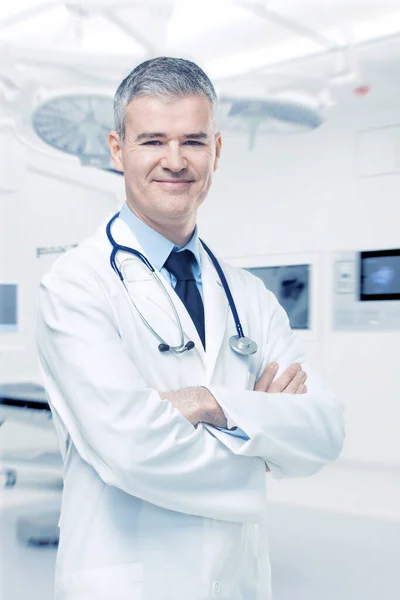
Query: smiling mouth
{"points": [[174, 183]]}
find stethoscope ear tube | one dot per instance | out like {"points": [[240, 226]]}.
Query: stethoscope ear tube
{"points": [[188, 346], [163, 346]]}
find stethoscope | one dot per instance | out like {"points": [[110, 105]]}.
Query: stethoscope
{"points": [[239, 343]]}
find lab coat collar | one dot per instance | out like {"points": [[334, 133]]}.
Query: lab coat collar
{"points": [[151, 299]]}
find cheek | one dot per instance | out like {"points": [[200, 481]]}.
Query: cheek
{"points": [[205, 166], [138, 165]]}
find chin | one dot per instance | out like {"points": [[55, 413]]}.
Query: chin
{"points": [[177, 203]]}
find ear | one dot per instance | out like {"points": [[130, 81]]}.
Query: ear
{"points": [[218, 146], [115, 150]]}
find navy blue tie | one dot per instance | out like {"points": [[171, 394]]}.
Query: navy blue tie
{"points": [[180, 265]]}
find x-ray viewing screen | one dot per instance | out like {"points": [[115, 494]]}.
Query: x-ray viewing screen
{"points": [[8, 307], [291, 285], [380, 275]]}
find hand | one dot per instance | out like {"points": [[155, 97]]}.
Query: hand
{"points": [[292, 381]]}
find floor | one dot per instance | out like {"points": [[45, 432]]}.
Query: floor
{"points": [[320, 555], [315, 554], [26, 573]]}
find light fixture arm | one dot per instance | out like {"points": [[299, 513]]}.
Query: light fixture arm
{"points": [[132, 33], [288, 23], [27, 14]]}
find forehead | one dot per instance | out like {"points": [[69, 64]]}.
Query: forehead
{"points": [[176, 115]]}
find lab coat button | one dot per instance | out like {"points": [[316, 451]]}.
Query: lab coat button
{"points": [[216, 587]]}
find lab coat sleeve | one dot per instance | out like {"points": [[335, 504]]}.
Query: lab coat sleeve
{"points": [[296, 435], [132, 438]]}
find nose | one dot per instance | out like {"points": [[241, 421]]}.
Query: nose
{"points": [[173, 159]]}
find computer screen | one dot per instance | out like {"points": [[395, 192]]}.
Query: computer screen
{"points": [[291, 285], [8, 307], [380, 275]]}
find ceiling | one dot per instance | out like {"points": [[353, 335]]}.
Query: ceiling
{"points": [[324, 48], [227, 36]]}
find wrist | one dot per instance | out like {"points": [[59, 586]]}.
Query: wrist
{"points": [[211, 412], [204, 405]]}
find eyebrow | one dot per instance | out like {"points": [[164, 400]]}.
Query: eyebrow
{"points": [[147, 135], [196, 136], [150, 135]]}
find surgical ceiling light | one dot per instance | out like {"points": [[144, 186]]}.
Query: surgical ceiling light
{"points": [[288, 113], [77, 124]]}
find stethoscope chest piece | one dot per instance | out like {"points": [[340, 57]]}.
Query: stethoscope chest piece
{"points": [[243, 345]]}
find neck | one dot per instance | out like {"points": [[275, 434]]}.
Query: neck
{"points": [[177, 232]]}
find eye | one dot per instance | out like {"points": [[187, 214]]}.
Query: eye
{"points": [[152, 143], [194, 143]]}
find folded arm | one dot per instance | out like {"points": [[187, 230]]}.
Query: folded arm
{"points": [[295, 433], [133, 438]]}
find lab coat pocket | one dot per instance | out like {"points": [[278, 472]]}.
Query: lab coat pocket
{"points": [[117, 582]]}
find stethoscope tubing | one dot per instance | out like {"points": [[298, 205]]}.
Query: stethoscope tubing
{"points": [[181, 347], [227, 290]]}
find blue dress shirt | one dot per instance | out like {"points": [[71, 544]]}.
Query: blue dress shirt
{"points": [[157, 248]]}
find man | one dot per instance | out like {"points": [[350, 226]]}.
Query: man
{"points": [[165, 452]]}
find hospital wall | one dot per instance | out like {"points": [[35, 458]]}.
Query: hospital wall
{"points": [[290, 194], [50, 203]]}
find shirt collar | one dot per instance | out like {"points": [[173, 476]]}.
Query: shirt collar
{"points": [[156, 247]]}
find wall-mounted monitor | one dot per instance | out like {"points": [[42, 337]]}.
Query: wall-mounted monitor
{"points": [[8, 307], [380, 275], [290, 284], [294, 278]]}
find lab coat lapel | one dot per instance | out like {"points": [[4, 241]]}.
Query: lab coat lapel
{"points": [[150, 298], [215, 311]]}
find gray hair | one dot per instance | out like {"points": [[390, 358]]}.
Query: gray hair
{"points": [[163, 77]]}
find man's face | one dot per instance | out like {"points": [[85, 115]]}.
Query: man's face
{"points": [[168, 157]]}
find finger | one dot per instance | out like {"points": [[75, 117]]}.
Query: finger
{"points": [[296, 382], [283, 381], [267, 377], [302, 389]]}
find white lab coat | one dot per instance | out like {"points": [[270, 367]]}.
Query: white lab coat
{"points": [[154, 508]]}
